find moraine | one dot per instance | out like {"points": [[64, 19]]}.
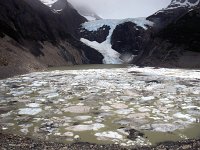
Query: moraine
{"points": [[127, 106]]}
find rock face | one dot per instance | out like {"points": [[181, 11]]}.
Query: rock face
{"points": [[100, 35], [176, 9], [34, 36], [127, 38], [71, 19], [185, 31], [177, 44]]}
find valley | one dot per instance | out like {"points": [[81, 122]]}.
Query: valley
{"points": [[71, 79], [128, 106]]}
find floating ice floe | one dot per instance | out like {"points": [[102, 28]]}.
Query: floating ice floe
{"points": [[109, 134], [52, 95], [29, 111], [184, 116], [119, 106], [147, 98], [71, 134], [165, 127], [77, 109], [33, 105], [94, 127], [83, 117], [123, 111]]}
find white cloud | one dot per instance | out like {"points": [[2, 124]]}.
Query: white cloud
{"points": [[118, 9]]}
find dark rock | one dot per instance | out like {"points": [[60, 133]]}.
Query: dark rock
{"points": [[154, 81], [185, 31], [100, 35], [174, 11], [5, 109], [70, 18], [133, 134], [176, 44], [91, 55], [130, 41], [48, 127], [127, 38]]}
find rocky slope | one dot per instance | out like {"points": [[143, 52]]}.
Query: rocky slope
{"points": [[174, 38], [34, 37], [174, 11]]}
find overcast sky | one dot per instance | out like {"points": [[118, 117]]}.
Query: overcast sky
{"points": [[117, 9]]}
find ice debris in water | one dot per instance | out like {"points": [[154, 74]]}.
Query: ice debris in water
{"points": [[33, 105], [97, 102], [29, 111], [94, 127], [109, 134]]}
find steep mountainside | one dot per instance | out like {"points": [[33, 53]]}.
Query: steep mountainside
{"points": [[174, 11], [71, 19], [34, 36], [177, 45]]}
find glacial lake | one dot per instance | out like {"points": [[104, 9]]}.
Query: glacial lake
{"points": [[103, 104]]}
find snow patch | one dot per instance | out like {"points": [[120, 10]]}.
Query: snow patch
{"points": [[186, 3], [48, 2]]}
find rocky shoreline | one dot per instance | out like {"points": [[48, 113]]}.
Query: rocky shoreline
{"points": [[15, 142]]}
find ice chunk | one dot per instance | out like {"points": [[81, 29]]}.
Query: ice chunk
{"points": [[83, 117], [110, 134], [33, 105], [29, 111], [148, 98], [94, 127], [77, 109]]}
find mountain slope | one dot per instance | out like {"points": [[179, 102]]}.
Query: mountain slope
{"points": [[34, 37], [176, 9], [176, 45]]}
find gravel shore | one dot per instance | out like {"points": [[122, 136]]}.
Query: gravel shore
{"points": [[15, 142]]}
